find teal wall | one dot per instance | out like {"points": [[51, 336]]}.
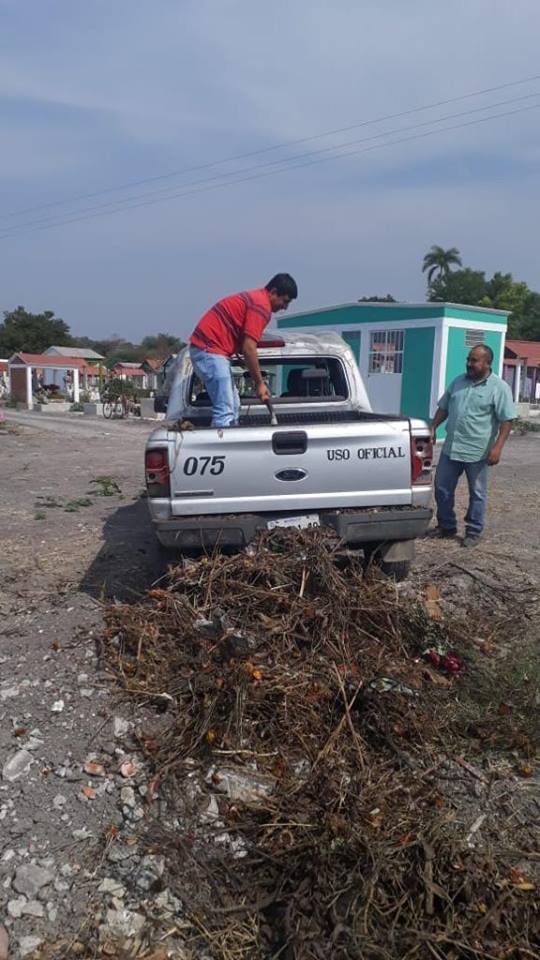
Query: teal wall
{"points": [[417, 371], [457, 351], [457, 355], [352, 337], [494, 339]]}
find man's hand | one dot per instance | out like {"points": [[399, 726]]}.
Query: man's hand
{"points": [[263, 392], [494, 456]]}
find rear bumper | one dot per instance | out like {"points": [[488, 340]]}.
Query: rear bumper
{"points": [[353, 527]]}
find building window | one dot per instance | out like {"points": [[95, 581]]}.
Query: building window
{"points": [[386, 351], [474, 338]]}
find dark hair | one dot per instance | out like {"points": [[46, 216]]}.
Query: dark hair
{"points": [[284, 285], [488, 352]]}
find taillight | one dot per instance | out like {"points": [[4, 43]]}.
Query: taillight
{"points": [[157, 472], [421, 460]]}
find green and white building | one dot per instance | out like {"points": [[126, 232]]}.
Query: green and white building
{"points": [[408, 353]]}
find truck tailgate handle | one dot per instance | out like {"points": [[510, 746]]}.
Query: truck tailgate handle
{"points": [[289, 442]]}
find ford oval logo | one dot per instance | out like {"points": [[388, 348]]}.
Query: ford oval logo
{"points": [[291, 475]]}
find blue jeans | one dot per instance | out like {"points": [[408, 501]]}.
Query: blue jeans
{"points": [[215, 372], [446, 479]]}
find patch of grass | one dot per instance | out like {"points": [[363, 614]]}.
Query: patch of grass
{"points": [[39, 515], [500, 700], [72, 506], [106, 486], [49, 502], [69, 506]]}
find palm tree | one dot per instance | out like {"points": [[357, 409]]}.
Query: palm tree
{"points": [[438, 262]]}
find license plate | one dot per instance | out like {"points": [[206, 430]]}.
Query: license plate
{"points": [[302, 520]]}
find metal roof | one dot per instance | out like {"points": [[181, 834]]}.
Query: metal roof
{"points": [[84, 353]]}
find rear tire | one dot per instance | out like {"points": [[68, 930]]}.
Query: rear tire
{"points": [[393, 569], [107, 409], [397, 570]]}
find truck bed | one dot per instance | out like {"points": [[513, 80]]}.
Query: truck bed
{"points": [[299, 418]]}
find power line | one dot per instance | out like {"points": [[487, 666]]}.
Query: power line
{"points": [[258, 175], [264, 150], [119, 204]]}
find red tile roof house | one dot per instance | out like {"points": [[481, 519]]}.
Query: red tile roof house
{"points": [[521, 370], [152, 367], [26, 368], [140, 374]]}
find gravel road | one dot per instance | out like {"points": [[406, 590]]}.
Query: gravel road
{"points": [[64, 545]]}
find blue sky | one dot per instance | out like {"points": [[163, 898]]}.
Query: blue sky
{"points": [[97, 95]]}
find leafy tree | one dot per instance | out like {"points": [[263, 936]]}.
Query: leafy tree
{"points": [[528, 327], [32, 332], [501, 292], [461, 286], [387, 299], [160, 345], [438, 261]]}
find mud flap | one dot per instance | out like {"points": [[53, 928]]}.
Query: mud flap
{"points": [[396, 550]]}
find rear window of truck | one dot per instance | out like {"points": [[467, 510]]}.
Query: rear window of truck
{"points": [[309, 380]]}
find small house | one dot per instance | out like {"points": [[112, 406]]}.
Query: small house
{"points": [[131, 372], [408, 353], [521, 370]]}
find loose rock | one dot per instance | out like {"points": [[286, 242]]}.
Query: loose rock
{"points": [[29, 879], [18, 764], [27, 945], [4, 943], [15, 907]]}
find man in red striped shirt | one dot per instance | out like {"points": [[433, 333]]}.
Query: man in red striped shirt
{"points": [[233, 326]]}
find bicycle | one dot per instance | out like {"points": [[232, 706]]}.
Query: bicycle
{"points": [[120, 407], [113, 407]]}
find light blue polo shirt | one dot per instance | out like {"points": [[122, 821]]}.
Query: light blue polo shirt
{"points": [[476, 410]]}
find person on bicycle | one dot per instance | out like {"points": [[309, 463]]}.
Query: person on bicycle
{"points": [[232, 326]]}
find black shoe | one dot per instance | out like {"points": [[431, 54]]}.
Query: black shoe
{"points": [[443, 533], [471, 540]]}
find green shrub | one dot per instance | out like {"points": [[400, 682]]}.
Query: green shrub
{"points": [[521, 427]]}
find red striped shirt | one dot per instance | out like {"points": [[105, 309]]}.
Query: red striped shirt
{"points": [[223, 328]]}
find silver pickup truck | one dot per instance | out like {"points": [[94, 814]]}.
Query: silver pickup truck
{"points": [[330, 461]]}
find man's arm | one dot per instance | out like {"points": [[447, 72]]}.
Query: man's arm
{"points": [[440, 416], [506, 414], [249, 352], [494, 454]]}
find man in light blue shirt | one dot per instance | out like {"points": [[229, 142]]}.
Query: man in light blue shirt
{"points": [[479, 409]]}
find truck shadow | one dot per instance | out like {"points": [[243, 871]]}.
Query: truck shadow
{"points": [[129, 561]]}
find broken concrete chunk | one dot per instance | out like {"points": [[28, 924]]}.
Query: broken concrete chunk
{"points": [[150, 873], [15, 907], [112, 886], [123, 923], [18, 764], [127, 796], [121, 727], [33, 908], [27, 945], [29, 879], [241, 784]]}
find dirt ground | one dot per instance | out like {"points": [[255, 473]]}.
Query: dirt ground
{"points": [[68, 540]]}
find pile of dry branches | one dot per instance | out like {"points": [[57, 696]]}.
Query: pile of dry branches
{"points": [[293, 668]]}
